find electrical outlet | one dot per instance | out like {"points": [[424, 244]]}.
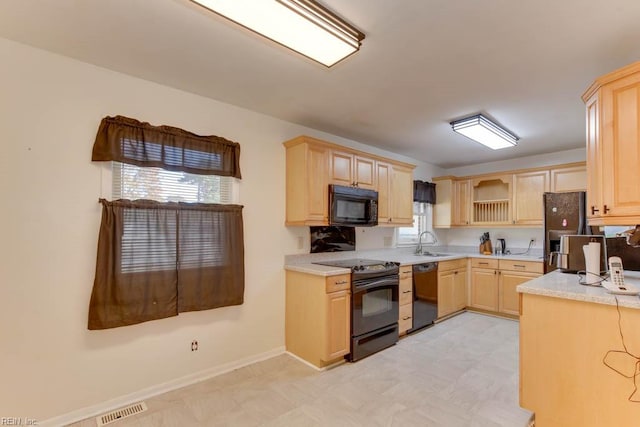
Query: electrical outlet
{"points": [[194, 345], [532, 241]]}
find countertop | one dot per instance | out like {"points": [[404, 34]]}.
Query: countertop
{"points": [[565, 285], [404, 256]]}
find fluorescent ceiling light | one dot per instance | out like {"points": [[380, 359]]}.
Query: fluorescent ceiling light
{"points": [[484, 131], [301, 25]]}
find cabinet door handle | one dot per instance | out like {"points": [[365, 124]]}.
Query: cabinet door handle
{"points": [[594, 210], [406, 292], [342, 282], [606, 209], [406, 318], [483, 263], [495, 272], [518, 266], [455, 272], [406, 272]]}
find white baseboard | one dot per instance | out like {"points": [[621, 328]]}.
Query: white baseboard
{"points": [[311, 365], [109, 405]]}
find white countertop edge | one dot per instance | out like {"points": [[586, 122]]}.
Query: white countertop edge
{"points": [[316, 269], [560, 285]]}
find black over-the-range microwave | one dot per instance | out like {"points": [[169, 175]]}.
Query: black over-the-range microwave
{"points": [[352, 206]]}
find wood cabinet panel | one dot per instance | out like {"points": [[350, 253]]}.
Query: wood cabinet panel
{"points": [[405, 321], [528, 189], [317, 322], [452, 287], [508, 297], [484, 289], [401, 196], [338, 334], [461, 202], [572, 178], [521, 266], [383, 178], [405, 317], [307, 186], [613, 147]]}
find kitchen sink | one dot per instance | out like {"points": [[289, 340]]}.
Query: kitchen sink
{"points": [[434, 254]]}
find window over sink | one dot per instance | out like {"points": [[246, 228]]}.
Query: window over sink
{"points": [[422, 221]]}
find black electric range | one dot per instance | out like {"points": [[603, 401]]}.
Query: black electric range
{"points": [[374, 304]]}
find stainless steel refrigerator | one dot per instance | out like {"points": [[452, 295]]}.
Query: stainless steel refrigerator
{"points": [[564, 213]]}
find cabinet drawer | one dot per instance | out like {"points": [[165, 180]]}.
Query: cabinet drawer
{"points": [[405, 321], [484, 263], [452, 265], [406, 296], [338, 283], [528, 266], [406, 272]]}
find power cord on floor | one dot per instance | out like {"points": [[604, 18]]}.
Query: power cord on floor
{"points": [[636, 371]]}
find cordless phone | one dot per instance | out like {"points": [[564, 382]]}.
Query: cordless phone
{"points": [[616, 284]]}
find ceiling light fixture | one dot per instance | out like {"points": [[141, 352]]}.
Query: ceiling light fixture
{"points": [[482, 130], [301, 25]]}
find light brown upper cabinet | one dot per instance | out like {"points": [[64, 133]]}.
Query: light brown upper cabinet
{"points": [[395, 194], [569, 178], [313, 164], [491, 200], [528, 188], [352, 170], [307, 184], [613, 147], [461, 201], [510, 198]]}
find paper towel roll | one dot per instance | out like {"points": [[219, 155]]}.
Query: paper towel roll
{"points": [[592, 262]]}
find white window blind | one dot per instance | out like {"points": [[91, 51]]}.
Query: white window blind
{"points": [[149, 240], [134, 182]]}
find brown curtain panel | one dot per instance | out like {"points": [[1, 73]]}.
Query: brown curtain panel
{"points": [[158, 259], [127, 140]]}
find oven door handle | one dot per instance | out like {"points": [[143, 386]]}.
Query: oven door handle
{"points": [[376, 284]]}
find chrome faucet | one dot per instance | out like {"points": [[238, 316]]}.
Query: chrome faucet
{"points": [[433, 242]]}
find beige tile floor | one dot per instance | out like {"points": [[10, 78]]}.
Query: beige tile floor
{"points": [[461, 372]]}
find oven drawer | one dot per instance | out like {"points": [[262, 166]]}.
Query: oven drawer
{"points": [[338, 283]]}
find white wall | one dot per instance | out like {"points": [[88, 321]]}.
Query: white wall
{"points": [[541, 160], [50, 363]]}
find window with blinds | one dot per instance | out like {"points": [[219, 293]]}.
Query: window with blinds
{"points": [[172, 240], [150, 239], [134, 182]]}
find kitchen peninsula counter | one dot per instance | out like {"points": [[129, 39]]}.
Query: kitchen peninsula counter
{"points": [[567, 332]]}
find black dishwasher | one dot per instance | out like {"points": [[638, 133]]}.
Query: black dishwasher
{"points": [[425, 295]]}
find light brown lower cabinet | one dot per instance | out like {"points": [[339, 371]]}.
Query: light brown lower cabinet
{"points": [[494, 283], [405, 316], [318, 317], [452, 286]]}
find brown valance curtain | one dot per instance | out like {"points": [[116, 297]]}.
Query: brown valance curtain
{"points": [[127, 140], [424, 192], [156, 260]]}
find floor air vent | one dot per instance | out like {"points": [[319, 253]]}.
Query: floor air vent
{"points": [[121, 413]]}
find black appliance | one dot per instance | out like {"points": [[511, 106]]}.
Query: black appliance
{"points": [[564, 214], [352, 206], [374, 305], [425, 295]]}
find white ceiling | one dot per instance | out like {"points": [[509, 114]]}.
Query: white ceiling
{"points": [[423, 63]]}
